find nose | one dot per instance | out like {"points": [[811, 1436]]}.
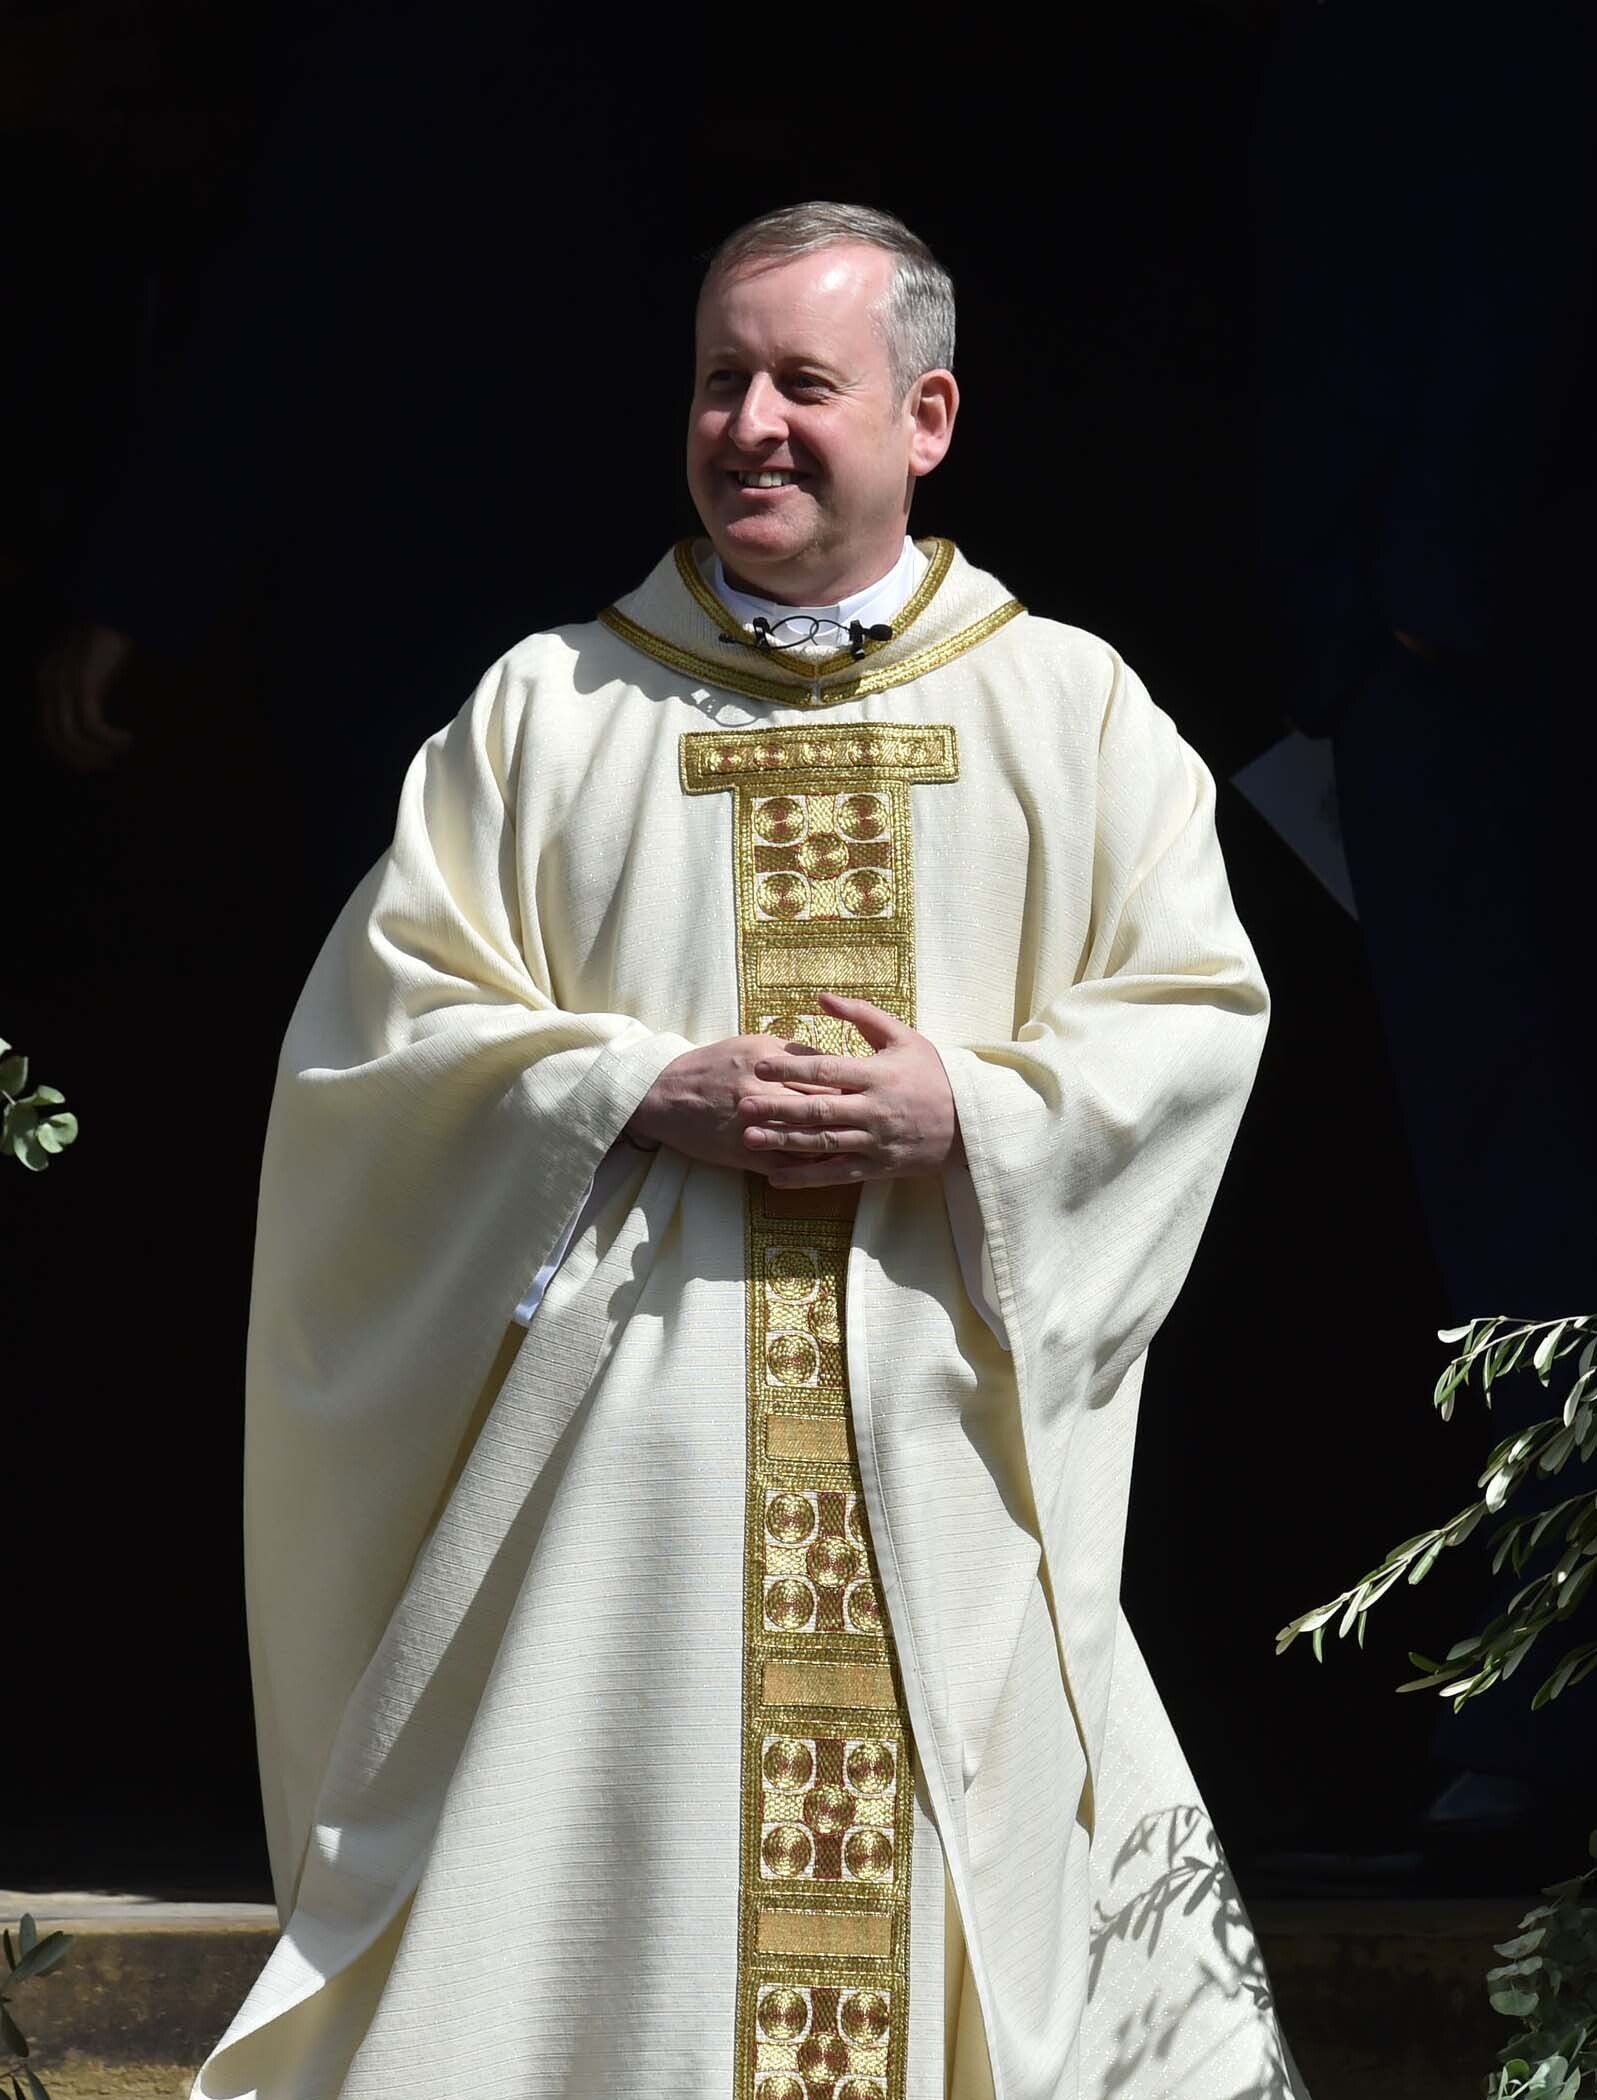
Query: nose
{"points": [[760, 419]]}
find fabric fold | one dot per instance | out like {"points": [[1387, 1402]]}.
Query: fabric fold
{"points": [[437, 1123], [1096, 1140]]}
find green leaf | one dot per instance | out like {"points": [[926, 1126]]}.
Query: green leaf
{"points": [[1463, 1524], [1523, 1943], [1547, 1349], [13, 1074], [1515, 2004], [11, 1959], [35, 2084], [49, 1953], [28, 1932], [12, 2035]]}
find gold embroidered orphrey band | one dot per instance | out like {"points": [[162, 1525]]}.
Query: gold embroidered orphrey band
{"points": [[825, 901]]}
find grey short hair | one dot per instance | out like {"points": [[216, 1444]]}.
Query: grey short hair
{"points": [[917, 315]]}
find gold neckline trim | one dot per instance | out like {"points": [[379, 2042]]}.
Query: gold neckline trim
{"points": [[939, 557], [731, 678]]}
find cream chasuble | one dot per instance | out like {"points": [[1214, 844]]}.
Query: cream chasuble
{"points": [[697, 1692]]}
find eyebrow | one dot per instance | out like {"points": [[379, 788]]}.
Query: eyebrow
{"points": [[724, 353]]}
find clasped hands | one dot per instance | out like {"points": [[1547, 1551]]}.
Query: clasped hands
{"points": [[804, 1118]]}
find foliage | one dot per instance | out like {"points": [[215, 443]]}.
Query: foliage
{"points": [[30, 1956], [1494, 1348], [33, 1127], [1547, 1980]]}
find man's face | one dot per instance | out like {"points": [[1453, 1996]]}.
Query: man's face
{"points": [[792, 388]]}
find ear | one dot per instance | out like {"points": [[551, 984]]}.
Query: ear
{"points": [[932, 406]]}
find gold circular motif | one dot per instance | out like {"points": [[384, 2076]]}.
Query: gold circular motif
{"points": [[864, 2017], [866, 893], [823, 854], [868, 1855], [783, 894], [864, 1608], [789, 1604], [768, 755], [788, 1764], [870, 1768], [779, 819], [783, 2014], [824, 1322], [792, 1359], [861, 817], [823, 2059], [857, 2089], [854, 1523], [786, 1850], [790, 1519], [784, 2086], [832, 1563], [827, 1809], [857, 751], [792, 1274]]}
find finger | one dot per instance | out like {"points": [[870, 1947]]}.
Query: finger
{"points": [[763, 1137], [802, 1110], [879, 1028], [832, 1074]]}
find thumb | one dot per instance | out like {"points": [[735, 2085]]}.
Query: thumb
{"points": [[879, 1028]]}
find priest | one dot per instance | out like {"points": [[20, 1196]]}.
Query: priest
{"points": [[728, 1164]]}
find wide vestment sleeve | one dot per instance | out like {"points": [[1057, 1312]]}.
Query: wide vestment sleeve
{"points": [[436, 1123], [1096, 1139]]}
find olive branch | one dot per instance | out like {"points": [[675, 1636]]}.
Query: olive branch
{"points": [[36, 1958], [1547, 1980], [1491, 1350]]}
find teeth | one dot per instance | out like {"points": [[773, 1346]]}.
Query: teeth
{"points": [[767, 481]]}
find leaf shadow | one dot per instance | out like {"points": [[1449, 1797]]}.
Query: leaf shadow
{"points": [[1186, 2029]]}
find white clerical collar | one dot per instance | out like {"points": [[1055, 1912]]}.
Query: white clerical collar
{"points": [[882, 601]]}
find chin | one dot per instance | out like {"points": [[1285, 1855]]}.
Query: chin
{"points": [[756, 542]]}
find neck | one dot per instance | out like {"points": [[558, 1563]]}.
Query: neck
{"points": [[826, 587]]}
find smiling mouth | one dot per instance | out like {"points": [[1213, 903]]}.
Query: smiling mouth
{"points": [[768, 478]]}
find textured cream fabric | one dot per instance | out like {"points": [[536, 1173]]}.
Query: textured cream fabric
{"points": [[495, 1579]]}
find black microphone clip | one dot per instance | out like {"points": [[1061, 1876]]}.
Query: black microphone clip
{"points": [[762, 635], [858, 636]]}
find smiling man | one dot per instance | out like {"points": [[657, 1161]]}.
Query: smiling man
{"points": [[728, 1164]]}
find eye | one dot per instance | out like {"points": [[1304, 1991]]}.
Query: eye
{"points": [[722, 380], [807, 383]]}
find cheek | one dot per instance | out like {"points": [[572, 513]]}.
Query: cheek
{"points": [[706, 429]]}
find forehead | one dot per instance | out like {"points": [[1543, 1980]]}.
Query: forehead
{"points": [[816, 303]]}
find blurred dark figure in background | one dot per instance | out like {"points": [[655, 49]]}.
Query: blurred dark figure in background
{"points": [[1426, 204], [357, 425]]}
